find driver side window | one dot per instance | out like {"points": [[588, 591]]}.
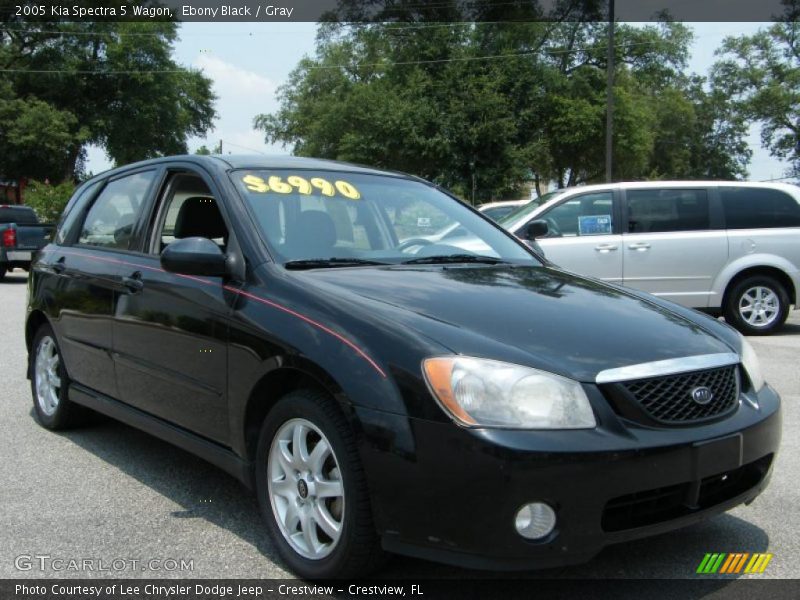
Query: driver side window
{"points": [[588, 214], [188, 209]]}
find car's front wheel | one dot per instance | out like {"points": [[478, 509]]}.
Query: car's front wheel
{"points": [[757, 305], [312, 491], [49, 383]]}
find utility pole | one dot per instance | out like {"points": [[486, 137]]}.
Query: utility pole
{"points": [[220, 142], [610, 95]]}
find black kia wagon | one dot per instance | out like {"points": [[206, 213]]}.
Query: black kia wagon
{"points": [[361, 349]]}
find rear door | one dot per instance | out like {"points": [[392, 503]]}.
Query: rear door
{"points": [[89, 279], [674, 243], [584, 235]]}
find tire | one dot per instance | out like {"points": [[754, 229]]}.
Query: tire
{"points": [[2, 273], [52, 407], [295, 521], [757, 305]]}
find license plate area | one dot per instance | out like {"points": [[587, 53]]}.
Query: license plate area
{"points": [[716, 456]]}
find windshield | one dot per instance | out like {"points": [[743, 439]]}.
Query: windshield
{"points": [[512, 218], [312, 216]]}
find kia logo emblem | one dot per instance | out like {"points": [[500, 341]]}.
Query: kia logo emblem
{"points": [[702, 395]]}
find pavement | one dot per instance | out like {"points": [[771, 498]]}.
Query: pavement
{"points": [[108, 492]]}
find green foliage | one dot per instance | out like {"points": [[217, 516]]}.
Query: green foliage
{"points": [[427, 101], [761, 73], [111, 84], [48, 200], [203, 151]]}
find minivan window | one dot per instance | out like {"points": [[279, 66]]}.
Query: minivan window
{"points": [[110, 220], [652, 211], [754, 208], [523, 211], [305, 215], [587, 214]]}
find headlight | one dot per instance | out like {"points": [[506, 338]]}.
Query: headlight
{"points": [[486, 393], [751, 365]]}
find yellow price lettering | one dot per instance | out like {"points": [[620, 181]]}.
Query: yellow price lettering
{"points": [[323, 185], [276, 185], [255, 184], [347, 190], [302, 184]]}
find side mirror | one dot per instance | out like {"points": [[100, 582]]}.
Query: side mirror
{"points": [[194, 256], [535, 229]]}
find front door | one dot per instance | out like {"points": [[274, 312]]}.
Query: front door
{"points": [[170, 336], [583, 236]]}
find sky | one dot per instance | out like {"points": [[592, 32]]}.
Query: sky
{"points": [[249, 61]]}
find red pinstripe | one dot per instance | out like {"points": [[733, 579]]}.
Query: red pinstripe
{"points": [[271, 303]]}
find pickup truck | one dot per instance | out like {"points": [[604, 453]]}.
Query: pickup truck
{"points": [[21, 235]]}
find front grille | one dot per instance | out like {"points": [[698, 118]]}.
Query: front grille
{"points": [[664, 504], [668, 399]]}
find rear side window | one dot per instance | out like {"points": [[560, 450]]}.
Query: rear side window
{"points": [[653, 211], [22, 215], [72, 212], [755, 208], [110, 221]]}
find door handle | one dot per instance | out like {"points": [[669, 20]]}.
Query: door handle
{"points": [[605, 248], [639, 246], [59, 265], [134, 283]]}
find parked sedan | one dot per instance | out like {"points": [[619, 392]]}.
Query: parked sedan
{"points": [[496, 210], [486, 410]]}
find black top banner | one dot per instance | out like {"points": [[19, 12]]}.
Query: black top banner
{"points": [[405, 11]]}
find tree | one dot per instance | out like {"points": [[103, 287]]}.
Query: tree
{"points": [[113, 84], [48, 200], [762, 74], [484, 108]]}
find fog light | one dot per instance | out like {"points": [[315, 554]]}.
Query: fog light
{"points": [[535, 520]]}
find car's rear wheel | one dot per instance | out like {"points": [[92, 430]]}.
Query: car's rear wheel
{"points": [[2, 273], [757, 305], [312, 491], [49, 383]]}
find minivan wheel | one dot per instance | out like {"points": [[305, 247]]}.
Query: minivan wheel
{"points": [[49, 383], [312, 490], [757, 305]]}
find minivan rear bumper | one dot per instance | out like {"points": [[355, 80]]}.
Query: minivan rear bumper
{"points": [[449, 494]]}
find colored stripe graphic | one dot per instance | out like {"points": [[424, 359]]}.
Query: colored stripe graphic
{"points": [[731, 564]]}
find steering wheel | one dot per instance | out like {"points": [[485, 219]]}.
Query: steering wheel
{"points": [[403, 246]]}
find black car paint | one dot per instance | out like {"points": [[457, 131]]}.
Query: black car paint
{"points": [[235, 344]]}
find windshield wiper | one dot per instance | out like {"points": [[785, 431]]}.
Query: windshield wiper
{"points": [[322, 263], [441, 259]]}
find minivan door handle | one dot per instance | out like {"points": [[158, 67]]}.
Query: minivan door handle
{"points": [[134, 283], [605, 248], [639, 246]]}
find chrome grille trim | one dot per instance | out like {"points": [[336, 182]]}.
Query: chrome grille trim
{"points": [[672, 366]]}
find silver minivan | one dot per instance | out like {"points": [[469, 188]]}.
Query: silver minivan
{"points": [[730, 248]]}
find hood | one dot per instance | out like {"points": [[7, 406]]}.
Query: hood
{"points": [[541, 316]]}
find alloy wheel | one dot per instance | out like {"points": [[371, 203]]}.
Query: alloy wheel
{"points": [[759, 306], [306, 490], [46, 378]]}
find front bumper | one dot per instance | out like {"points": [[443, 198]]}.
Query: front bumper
{"points": [[450, 494]]}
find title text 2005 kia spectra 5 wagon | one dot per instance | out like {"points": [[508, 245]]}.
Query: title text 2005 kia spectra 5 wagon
{"points": [[291, 321]]}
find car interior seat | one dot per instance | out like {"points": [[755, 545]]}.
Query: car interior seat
{"points": [[199, 216]]}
